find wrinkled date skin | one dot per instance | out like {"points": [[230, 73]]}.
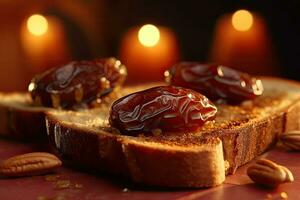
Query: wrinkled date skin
{"points": [[215, 81], [77, 83], [164, 108]]}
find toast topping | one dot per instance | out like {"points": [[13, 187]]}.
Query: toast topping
{"points": [[163, 108], [215, 81], [77, 83]]}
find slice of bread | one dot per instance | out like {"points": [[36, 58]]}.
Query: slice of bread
{"points": [[80, 139], [19, 119], [199, 159]]}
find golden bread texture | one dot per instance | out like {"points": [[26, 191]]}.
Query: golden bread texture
{"points": [[198, 159]]}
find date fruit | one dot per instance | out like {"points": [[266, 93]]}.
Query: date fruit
{"points": [[77, 83], [215, 81], [163, 108]]}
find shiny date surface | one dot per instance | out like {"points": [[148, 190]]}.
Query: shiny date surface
{"points": [[163, 108], [77, 83], [215, 81]]}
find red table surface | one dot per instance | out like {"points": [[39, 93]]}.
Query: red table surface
{"points": [[100, 187]]}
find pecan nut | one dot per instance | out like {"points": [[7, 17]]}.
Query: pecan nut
{"points": [[29, 164], [266, 172], [291, 140]]}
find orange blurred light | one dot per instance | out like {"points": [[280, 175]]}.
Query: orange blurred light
{"points": [[145, 63], [242, 20], [37, 25], [149, 35]]}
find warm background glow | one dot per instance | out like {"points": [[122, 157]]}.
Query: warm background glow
{"points": [[242, 20], [37, 25], [148, 35], [242, 41], [44, 42], [145, 62]]}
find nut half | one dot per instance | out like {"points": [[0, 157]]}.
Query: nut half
{"points": [[291, 140], [268, 173], [29, 164]]}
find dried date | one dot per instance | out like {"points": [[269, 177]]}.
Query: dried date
{"points": [[215, 81], [164, 108], [77, 83]]}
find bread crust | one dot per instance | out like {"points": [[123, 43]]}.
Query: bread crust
{"points": [[173, 167], [247, 142], [21, 121]]}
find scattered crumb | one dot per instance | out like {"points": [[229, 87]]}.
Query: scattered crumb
{"points": [[51, 198], [268, 197], [156, 132], [59, 198], [42, 198], [63, 184], [283, 195], [125, 190], [67, 184], [78, 186], [52, 178]]}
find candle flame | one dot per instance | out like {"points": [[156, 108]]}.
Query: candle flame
{"points": [[37, 25], [149, 35], [242, 20]]}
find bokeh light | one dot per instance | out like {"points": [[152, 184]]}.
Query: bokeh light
{"points": [[149, 35], [242, 20], [37, 25]]}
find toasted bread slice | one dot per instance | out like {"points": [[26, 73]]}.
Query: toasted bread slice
{"points": [[79, 138], [19, 119], [238, 134]]}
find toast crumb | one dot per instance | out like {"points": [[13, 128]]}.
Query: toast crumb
{"points": [[283, 195], [63, 184], [52, 177]]}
